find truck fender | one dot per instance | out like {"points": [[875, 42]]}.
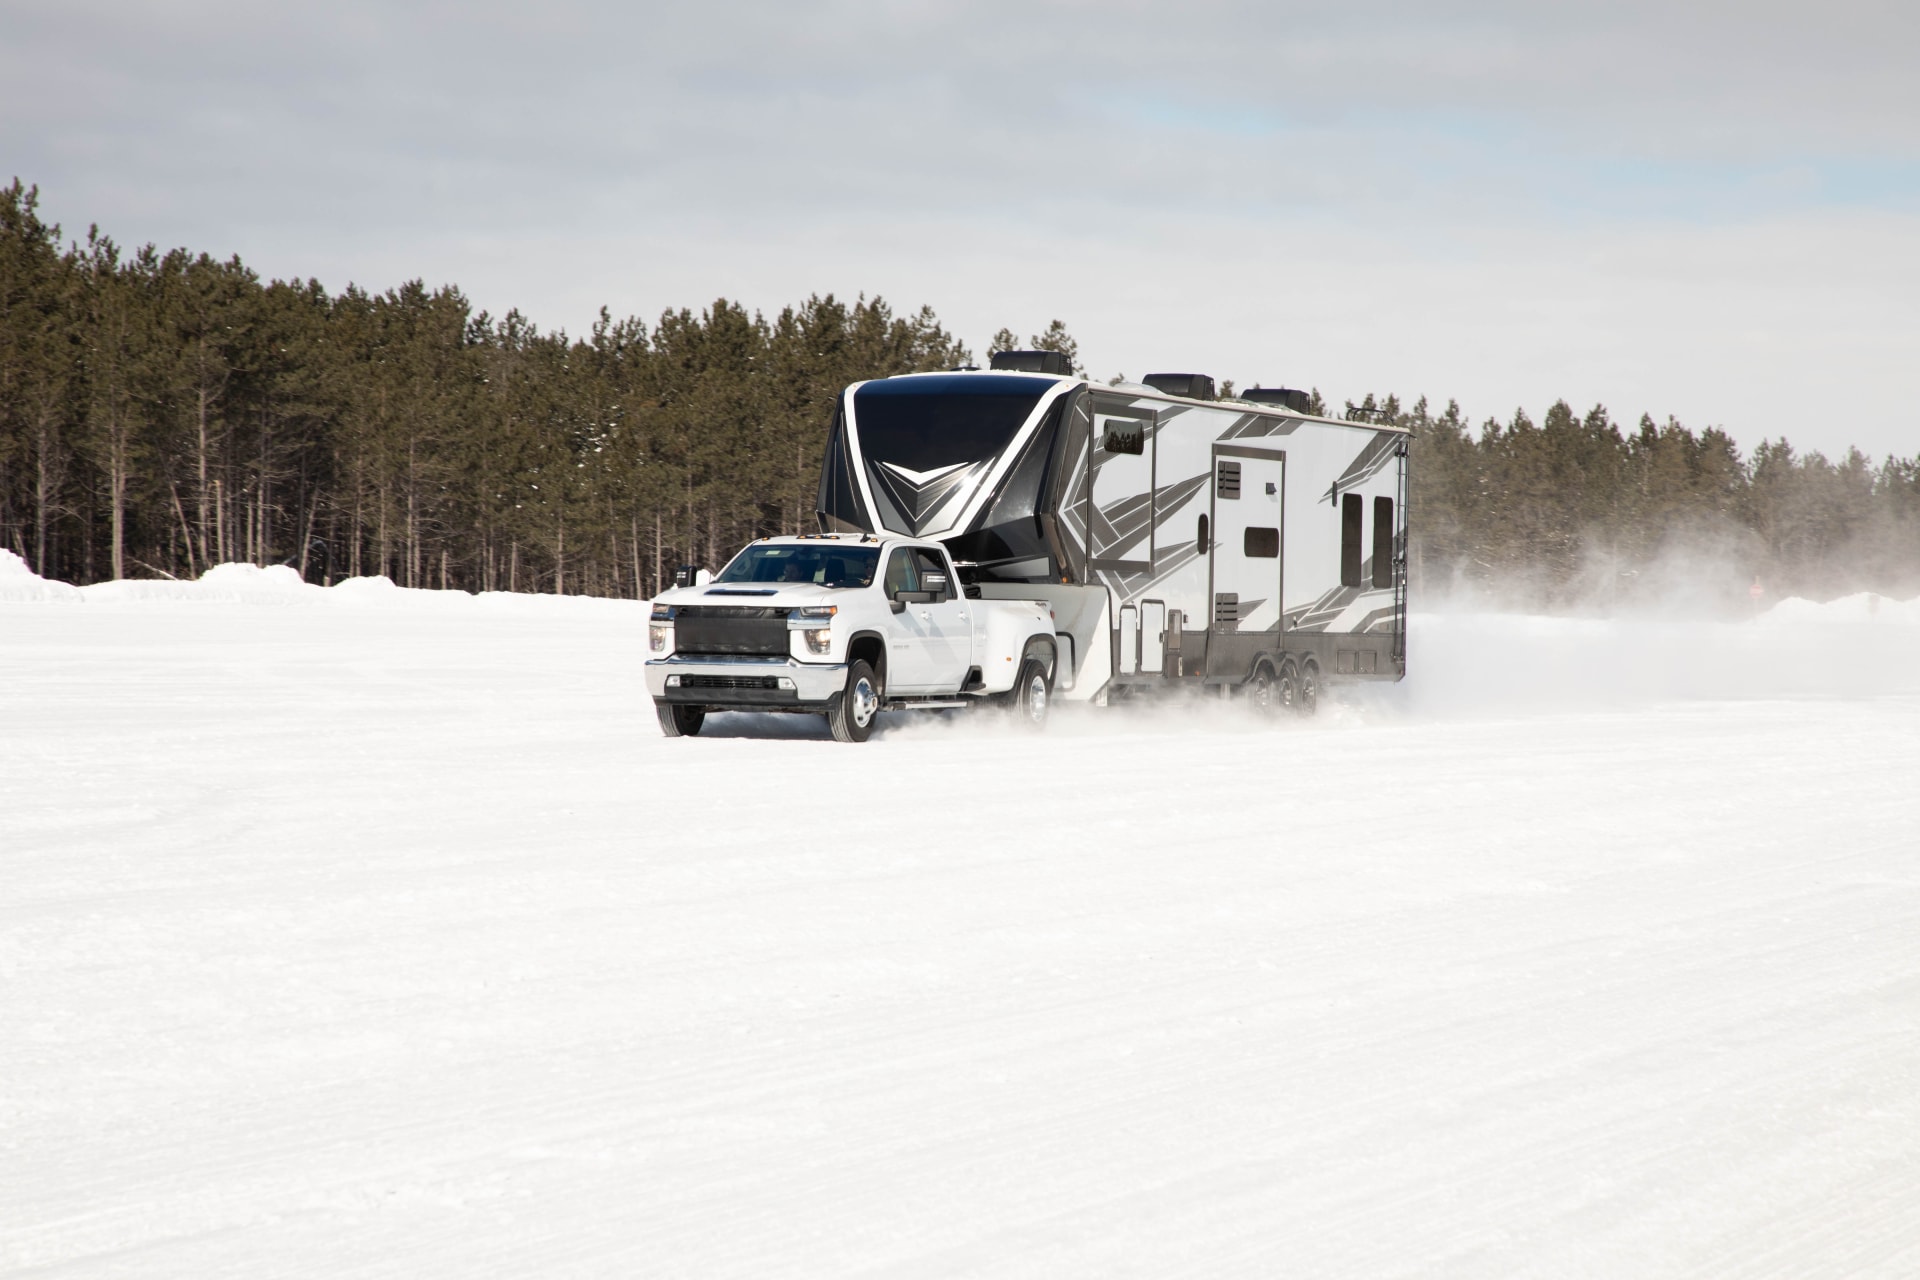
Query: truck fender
{"points": [[872, 646], [1008, 639], [1043, 648]]}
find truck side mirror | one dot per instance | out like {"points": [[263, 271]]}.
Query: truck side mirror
{"points": [[934, 584], [683, 575]]}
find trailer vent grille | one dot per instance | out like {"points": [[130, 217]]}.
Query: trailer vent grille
{"points": [[1229, 480], [1226, 610]]}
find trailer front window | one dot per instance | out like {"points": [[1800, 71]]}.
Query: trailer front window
{"points": [[927, 423]]}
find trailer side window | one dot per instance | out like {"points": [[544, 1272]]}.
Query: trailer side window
{"points": [[1262, 544], [1352, 510], [1383, 542], [1228, 485]]}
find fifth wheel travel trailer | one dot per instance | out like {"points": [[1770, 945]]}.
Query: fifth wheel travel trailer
{"points": [[1240, 544]]}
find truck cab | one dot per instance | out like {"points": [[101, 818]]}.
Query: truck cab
{"points": [[843, 625]]}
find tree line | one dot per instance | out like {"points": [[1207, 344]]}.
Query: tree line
{"points": [[1577, 509], [164, 412]]}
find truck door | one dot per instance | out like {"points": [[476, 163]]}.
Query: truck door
{"points": [[1249, 491], [909, 664], [949, 628]]}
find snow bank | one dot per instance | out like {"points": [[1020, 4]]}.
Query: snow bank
{"points": [[1469, 663], [19, 584], [276, 585], [1867, 607]]}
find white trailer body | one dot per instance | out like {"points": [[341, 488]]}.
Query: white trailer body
{"points": [[1181, 541]]}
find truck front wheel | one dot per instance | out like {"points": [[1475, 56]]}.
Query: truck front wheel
{"points": [[677, 721], [851, 713], [1030, 695]]}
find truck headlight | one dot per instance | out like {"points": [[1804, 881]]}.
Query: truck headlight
{"points": [[820, 641], [657, 637]]}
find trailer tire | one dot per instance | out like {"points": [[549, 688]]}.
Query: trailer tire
{"points": [[1309, 687], [1261, 691], [678, 721], [1031, 695], [1286, 689], [851, 713]]}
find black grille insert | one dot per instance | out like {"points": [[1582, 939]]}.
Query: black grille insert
{"points": [[703, 628]]}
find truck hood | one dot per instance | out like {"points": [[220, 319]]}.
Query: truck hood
{"points": [[790, 595]]}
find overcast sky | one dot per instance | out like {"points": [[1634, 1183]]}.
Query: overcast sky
{"points": [[1704, 210]]}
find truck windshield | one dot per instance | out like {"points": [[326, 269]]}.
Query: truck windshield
{"points": [[824, 566]]}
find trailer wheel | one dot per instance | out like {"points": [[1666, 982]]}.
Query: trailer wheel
{"points": [[1309, 688], [1031, 695], [677, 721], [1261, 691], [852, 712], [1286, 690]]}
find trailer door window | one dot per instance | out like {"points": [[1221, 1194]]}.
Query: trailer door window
{"points": [[1227, 483], [1121, 491], [1383, 542], [1352, 511], [1261, 544]]}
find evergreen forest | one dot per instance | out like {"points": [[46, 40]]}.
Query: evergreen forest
{"points": [[162, 412]]}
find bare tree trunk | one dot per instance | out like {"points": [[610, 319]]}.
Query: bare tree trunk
{"points": [[381, 542], [200, 460], [43, 487], [639, 579], [306, 541], [186, 530], [117, 468], [560, 560]]}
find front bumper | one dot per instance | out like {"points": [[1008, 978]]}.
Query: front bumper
{"points": [[745, 683]]}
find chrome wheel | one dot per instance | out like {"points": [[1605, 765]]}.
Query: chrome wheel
{"points": [[866, 702], [851, 714], [1029, 695], [1036, 700]]}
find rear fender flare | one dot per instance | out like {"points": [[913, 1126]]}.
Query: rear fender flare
{"points": [[1043, 648]]}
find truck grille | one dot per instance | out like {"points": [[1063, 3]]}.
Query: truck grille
{"points": [[705, 628]]}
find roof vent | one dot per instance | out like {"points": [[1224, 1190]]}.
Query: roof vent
{"points": [[1285, 397], [1031, 362], [1194, 386]]}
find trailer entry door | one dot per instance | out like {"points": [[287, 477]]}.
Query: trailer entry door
{"points": [[1249, 491]]}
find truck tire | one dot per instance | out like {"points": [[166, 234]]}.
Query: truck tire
{"points": [[678, 721], [853, 710], [1030, 695], [1309, 696]]}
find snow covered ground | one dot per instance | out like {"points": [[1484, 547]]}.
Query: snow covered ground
{"points": [[366, 932]]}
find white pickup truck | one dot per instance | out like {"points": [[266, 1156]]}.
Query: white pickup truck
{"points": [[846, 626]]}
